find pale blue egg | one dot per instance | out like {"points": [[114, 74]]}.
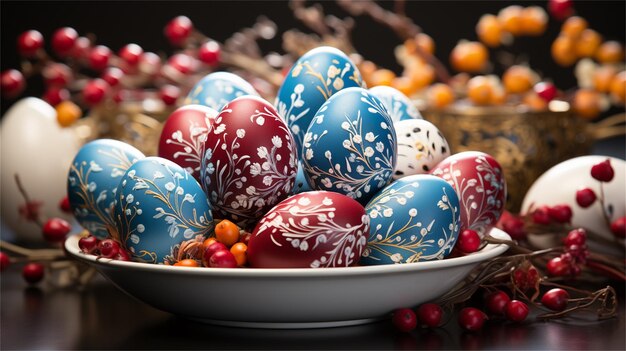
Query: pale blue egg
{"points": [[350, 146], [400, 107], [416, 218], [217, 89], [93, 179], [158, 205], [314, 78]]}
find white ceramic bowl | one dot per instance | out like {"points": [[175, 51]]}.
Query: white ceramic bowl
{"points": [[287, 298]]}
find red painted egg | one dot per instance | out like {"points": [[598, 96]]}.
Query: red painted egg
{"points": [[310, 230], [250, 161], [479, 182], [183, 136]]}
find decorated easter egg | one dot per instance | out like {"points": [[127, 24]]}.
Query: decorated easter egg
{"points": [[479, 183], [218, 88], [399, 106], [350, 146], [39, 151], [559, 185], [184, 134], [250, 160], [301, 185], [158, 205], [421, 146], [416, 218], [314, 78], [93, 178], [310, 230]]}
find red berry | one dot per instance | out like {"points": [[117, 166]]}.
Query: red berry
{"points": [[33, 273], [585, 197], [576, 237], [64, 205], [469, 241], [122, 255], [223, 259], [516, 311], [404, 319], [12, 83], [213, 248], [182, 63], [150, 63], [558, 267], [471, 318], [430, 314], [560, 9], [541, 216], [99, 57], [88, 244], [560, 213], [56, 229], [131, 54], [29, 42], [178, 30], [57, 74], [63, 40], [112, 75], [526, 278], [95, 91], [497, 301], [56, 95], [555, 299], [603, 171], [5, 261], [169, 94], [618, 227], [546, 91], [513, 225], [108, 248], [209, 53], [245, 237], [82, 48]]}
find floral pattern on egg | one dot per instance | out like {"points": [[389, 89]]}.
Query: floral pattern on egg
{"points": [[217, 89], [92, 182], [400, 107], [312, 80], [158, 206], [421, 146], [350, 147], [416, 218]]}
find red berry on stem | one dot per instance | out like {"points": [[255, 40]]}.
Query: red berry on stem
{"points": [[576, 237], [108, 248], [555, 299], [516, 311], [560, 9], [131, 54], [560, 213], [471, 318], [182, 63], [558, 267], [430, 314], [122, 255], [541, 216], [5, 261], [513, 225], [56, 229], [211, 249], [546, 91], [99, 57], [95, 91], [497, 301], [585, 197], [404, 319], [169, 94], [56, 95], [603, 171], [88, 244], [112, 75], [150, 63], [82, 48], [33, 273], [209, 53], [618, 227], [63, 40], [469, 241], [178, 29], [223, 259], [29, 42], [57, 74], [12, 83]]}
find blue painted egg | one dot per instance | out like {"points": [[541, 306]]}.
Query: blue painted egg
{"points": [[400, 107], [93, 179], [416, 218], [350, 146], [301, 185], [159, 205], [314, 78], [217, 89]]}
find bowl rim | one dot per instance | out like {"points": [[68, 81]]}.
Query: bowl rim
{"points": [[487, 252]]}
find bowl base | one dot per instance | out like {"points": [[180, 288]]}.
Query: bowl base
{"points": [[286, 325]]}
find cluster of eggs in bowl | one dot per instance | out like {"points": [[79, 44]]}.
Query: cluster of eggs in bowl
{"points": [[331, 175]]}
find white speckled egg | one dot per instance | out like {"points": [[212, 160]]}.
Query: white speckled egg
{"points": [[400, 107], [421, 146]]}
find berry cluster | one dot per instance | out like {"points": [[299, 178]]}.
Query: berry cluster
{"points": [[574, 255], [107, 248]]}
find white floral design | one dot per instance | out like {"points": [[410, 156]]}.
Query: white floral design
{"points": [[192, 149]]}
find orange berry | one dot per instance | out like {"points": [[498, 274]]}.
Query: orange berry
{"points": [[586, 103], [588, 43], [489, 31], [469, 56], [67, 113], [188, 262], [480, 90], [564, 51], [421, 74], [498, 97], [382, 77], [574, 26], [367, 68], [227, 232], [405, 85], [207, 242], [240, 251], [510, 19], [534, 101], [440, 95], [610, 52], [534, 20], [518, 79], [425, 42], [618, 87], [603, 77]]}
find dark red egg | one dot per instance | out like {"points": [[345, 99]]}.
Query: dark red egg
{"points": [[310, 230], [183, 136], [250, 161]]}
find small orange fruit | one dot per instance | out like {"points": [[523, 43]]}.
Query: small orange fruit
{"points": [[469, 56], [440, 95], [610, 52], [489, 30], [68, 113]]}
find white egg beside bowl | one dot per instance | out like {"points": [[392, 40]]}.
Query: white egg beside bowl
{"points": [[287, 298]]}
